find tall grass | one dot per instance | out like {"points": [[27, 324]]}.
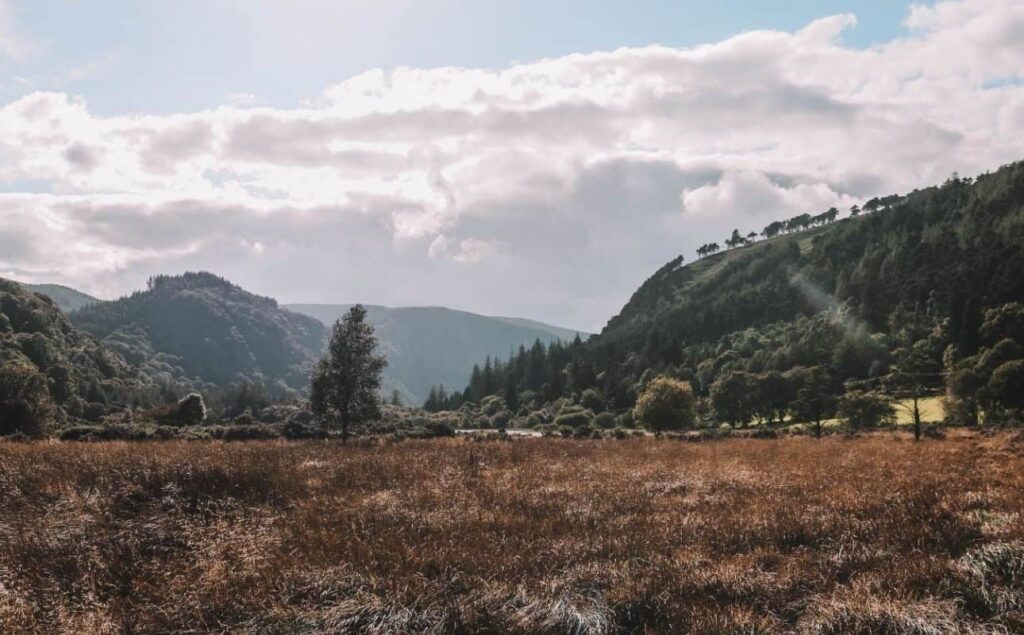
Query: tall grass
{"points": [[535, 536]]}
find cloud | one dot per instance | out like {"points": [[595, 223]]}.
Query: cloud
{"points": [[562, 182]]}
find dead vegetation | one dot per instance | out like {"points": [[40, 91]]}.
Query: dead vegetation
{"points": [[868, 535]]}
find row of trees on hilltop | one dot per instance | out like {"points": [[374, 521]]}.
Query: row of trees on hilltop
{"points": [[796, 224]]}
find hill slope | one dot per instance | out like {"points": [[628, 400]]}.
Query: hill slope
{"points": [[83, 376], [427, 346], [214, 330], [918, 273], [67, 299]]}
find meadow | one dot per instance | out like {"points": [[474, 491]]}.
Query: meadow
{"points": [[875, 534]]}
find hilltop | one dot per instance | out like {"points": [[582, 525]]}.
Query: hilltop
{"points": [[213, 329]]}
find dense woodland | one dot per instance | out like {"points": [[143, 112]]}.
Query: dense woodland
{"points": [[911, 296]]}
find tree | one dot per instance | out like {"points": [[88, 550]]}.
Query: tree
{"points": [[25, 404], [191, 410], [862, 410], [346, 383], [854, 211], [666, 404], [511, 392], [913, 372], [815, 401], [1007, 385], [396, 398], [732, 398]]}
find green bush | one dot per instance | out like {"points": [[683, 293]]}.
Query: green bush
{"points": [[605, 420], [861, 410], [25, 404], [572, 420], [666, 404]]}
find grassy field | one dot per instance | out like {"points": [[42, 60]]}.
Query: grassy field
{"points": [[866, 535]]}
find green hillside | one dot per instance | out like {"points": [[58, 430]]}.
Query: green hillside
{"points": [[214, 330], [426, 346], [67, 299], [920, 273], [82, 377]]}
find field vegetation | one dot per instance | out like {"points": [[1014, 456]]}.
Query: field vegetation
{"points": [[869, 534]]}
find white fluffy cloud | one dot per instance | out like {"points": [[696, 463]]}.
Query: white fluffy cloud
{"points": [[548, 189]]}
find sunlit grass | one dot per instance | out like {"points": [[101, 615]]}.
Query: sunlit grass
{"points": [[873, 534]]}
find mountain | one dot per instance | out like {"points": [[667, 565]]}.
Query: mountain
{"points": [[67, 299], [212, 329], [83, 377], [427, 346], [919, 274]]}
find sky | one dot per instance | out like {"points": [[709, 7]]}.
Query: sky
{"points": [[526, 158]]}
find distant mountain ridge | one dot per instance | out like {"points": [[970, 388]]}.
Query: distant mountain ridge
{"points": [[427, 346], [67, 299]]}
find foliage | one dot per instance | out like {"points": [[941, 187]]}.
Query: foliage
{"points": [[25, 405], [665, 404], [346, 383], [873, 299], [200, 325], [191, 410], [861, 410]]}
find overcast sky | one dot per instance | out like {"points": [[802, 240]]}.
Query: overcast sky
{"points": [[526, 158]]}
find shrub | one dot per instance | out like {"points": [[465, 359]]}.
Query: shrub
{"points": [[572, 420], [583, 432], [605, 420], [592, 400], [861, 410], [296, 428], [25, 404], [666, 404], [191, 410]]}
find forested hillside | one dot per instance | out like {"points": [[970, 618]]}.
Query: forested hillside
{"points": [[51, 370], [66, 298], [426, 346], [896, 297], [212, 329]]}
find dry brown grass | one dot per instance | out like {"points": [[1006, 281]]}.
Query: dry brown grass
{"points": [[875, 535]]}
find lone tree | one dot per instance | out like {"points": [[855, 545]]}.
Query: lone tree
{"points": [[346, 383], [815, 401], [666, 404]]}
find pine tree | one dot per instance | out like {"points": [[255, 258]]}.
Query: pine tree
{"points": [[346, 383]]}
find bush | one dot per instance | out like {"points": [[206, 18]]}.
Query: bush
{"points": [[605, 420], [592, 400], [666, 404], [572, 420], [583, 432], [295, 429], [191, 410], [25, 404], [861, 410]]}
